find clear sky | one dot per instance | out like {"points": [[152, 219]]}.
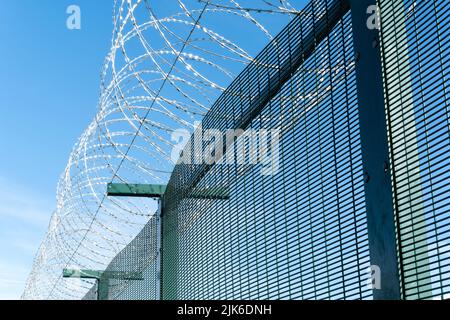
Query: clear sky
{"points": [[49, 84]]}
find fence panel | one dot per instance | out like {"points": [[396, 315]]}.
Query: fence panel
{"points": [[294, 226], [134, 274], [415, 39]]}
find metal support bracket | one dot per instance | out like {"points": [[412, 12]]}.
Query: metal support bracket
{"points": [[102, 278]]}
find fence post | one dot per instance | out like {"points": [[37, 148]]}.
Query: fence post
{"points": [[375, 150], [103, 288]]}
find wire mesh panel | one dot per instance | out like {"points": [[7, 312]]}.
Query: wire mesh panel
{"points": [[92, 294], [415, 36], [293, 223], [134, 274]]}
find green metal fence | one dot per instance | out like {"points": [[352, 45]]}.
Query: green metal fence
{"points": [[415, 47], [357, 178], [140, 259]]}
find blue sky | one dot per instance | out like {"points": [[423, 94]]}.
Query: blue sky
{"points": [[49, 83]]}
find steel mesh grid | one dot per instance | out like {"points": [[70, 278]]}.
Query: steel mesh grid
{"points": [[300, 234], [415, 41], [138, 257], [92, 294]]}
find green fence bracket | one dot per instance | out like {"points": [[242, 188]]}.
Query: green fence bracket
{"points": [[102, 277], [157, 191], [136, 190], [94, 274], [82, 274]]}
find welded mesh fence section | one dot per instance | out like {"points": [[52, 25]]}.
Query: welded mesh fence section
{"points": [[134, 273], [294, 225], [415, 41], [92, 294]]}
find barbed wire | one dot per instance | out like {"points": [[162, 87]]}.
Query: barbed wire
{"points": [[186, 45]]}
